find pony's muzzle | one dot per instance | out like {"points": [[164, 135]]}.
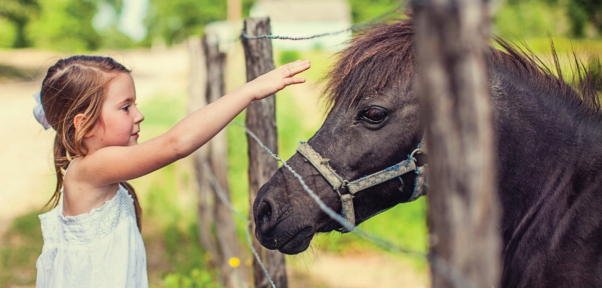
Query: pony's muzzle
{"points": [[265, 213]]}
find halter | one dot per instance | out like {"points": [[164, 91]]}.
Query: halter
{"points": [[339, 184]]}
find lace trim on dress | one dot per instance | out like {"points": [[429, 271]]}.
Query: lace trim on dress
{"points": [[89, 227]]}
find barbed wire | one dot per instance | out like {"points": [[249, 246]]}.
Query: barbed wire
{"points": [[277, 37], [439, 264], [352, 28]]}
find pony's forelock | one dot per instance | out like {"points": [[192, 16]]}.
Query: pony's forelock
{"points": [[383, 56]]}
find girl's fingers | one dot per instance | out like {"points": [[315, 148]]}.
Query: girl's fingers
{"points": [[291, 81], [298, 80], [296, 67]]}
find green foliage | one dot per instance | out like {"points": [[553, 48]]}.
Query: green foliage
{"points": [[364, 10], [163, 112], [578, 17], [196, 278], [65, 25], [527, 19], [113, 38], [536, 18], [582, 12], [19, 13], [288, 56], [173, 21], [7, 33]]}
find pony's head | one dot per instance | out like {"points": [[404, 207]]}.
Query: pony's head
{"points": [[370, 89]]}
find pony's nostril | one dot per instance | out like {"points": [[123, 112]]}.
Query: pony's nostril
{"points": [[265, 212]]}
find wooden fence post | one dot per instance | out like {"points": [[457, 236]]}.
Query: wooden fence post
{"points": [[206, 206], [218, 159], [463, 213], [261, 120]]}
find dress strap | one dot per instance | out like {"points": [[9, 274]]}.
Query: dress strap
{"points": [[70, 162], [62, 188]]}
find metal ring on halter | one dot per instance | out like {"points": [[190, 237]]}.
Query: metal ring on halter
{"points": [[416, 151], [345, 184]]}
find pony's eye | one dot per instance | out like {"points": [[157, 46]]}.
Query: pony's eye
{"points": [[374, 115]]}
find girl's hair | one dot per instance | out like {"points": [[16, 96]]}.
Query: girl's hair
{"points": [[72, 86]]}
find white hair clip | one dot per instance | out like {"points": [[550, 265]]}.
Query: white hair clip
{"points": [[38, 111]]}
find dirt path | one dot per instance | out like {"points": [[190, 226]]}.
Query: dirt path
{"points": [[355, 270]]}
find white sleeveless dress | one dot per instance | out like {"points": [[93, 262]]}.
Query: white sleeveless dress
{"points": [[102, 248]]}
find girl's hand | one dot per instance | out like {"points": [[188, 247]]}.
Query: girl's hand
{"points": [[275, 80]]}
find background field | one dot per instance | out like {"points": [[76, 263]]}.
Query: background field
{"points": [[168, 196]]}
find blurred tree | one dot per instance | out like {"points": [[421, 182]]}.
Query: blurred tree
{"points": [[528, 18], [57, 24], [364, 10], [19, 13], [582, 12], [113, 38], [67, 25], [173, 21]]}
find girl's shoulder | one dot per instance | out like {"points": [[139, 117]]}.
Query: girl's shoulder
{"points": [[88, 227], [80, 194]]}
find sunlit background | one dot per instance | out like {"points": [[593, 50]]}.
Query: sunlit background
{"points": [[149, 36]]}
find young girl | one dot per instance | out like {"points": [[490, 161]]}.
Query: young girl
{"points": [[92, 237]]}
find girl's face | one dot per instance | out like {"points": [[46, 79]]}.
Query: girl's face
{"points": [[119, 122]]}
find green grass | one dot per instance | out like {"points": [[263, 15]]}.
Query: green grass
{"points": [[19, 250]]}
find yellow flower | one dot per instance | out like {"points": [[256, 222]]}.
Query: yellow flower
{"points": [[234, 262]]}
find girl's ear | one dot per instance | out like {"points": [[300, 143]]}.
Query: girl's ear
{"points": [[78, 120]]}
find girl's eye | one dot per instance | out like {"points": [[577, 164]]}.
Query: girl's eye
{"points": [[126, 108], [374, 115]]}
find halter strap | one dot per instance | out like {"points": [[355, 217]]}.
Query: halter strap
{"points": [[382, 176], [321, 164], [338, 183]]}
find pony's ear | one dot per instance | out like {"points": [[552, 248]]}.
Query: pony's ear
{"points": [[78, 120]]}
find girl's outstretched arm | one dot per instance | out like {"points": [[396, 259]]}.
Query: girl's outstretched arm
{"points": [[121, 163]]}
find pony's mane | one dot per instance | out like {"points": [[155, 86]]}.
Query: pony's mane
{"points": [[383, 56]]}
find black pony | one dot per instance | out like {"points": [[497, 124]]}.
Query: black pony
{"points": [[548, 144]]}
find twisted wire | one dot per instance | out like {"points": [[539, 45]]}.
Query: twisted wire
{"points": [[352, 28]]}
